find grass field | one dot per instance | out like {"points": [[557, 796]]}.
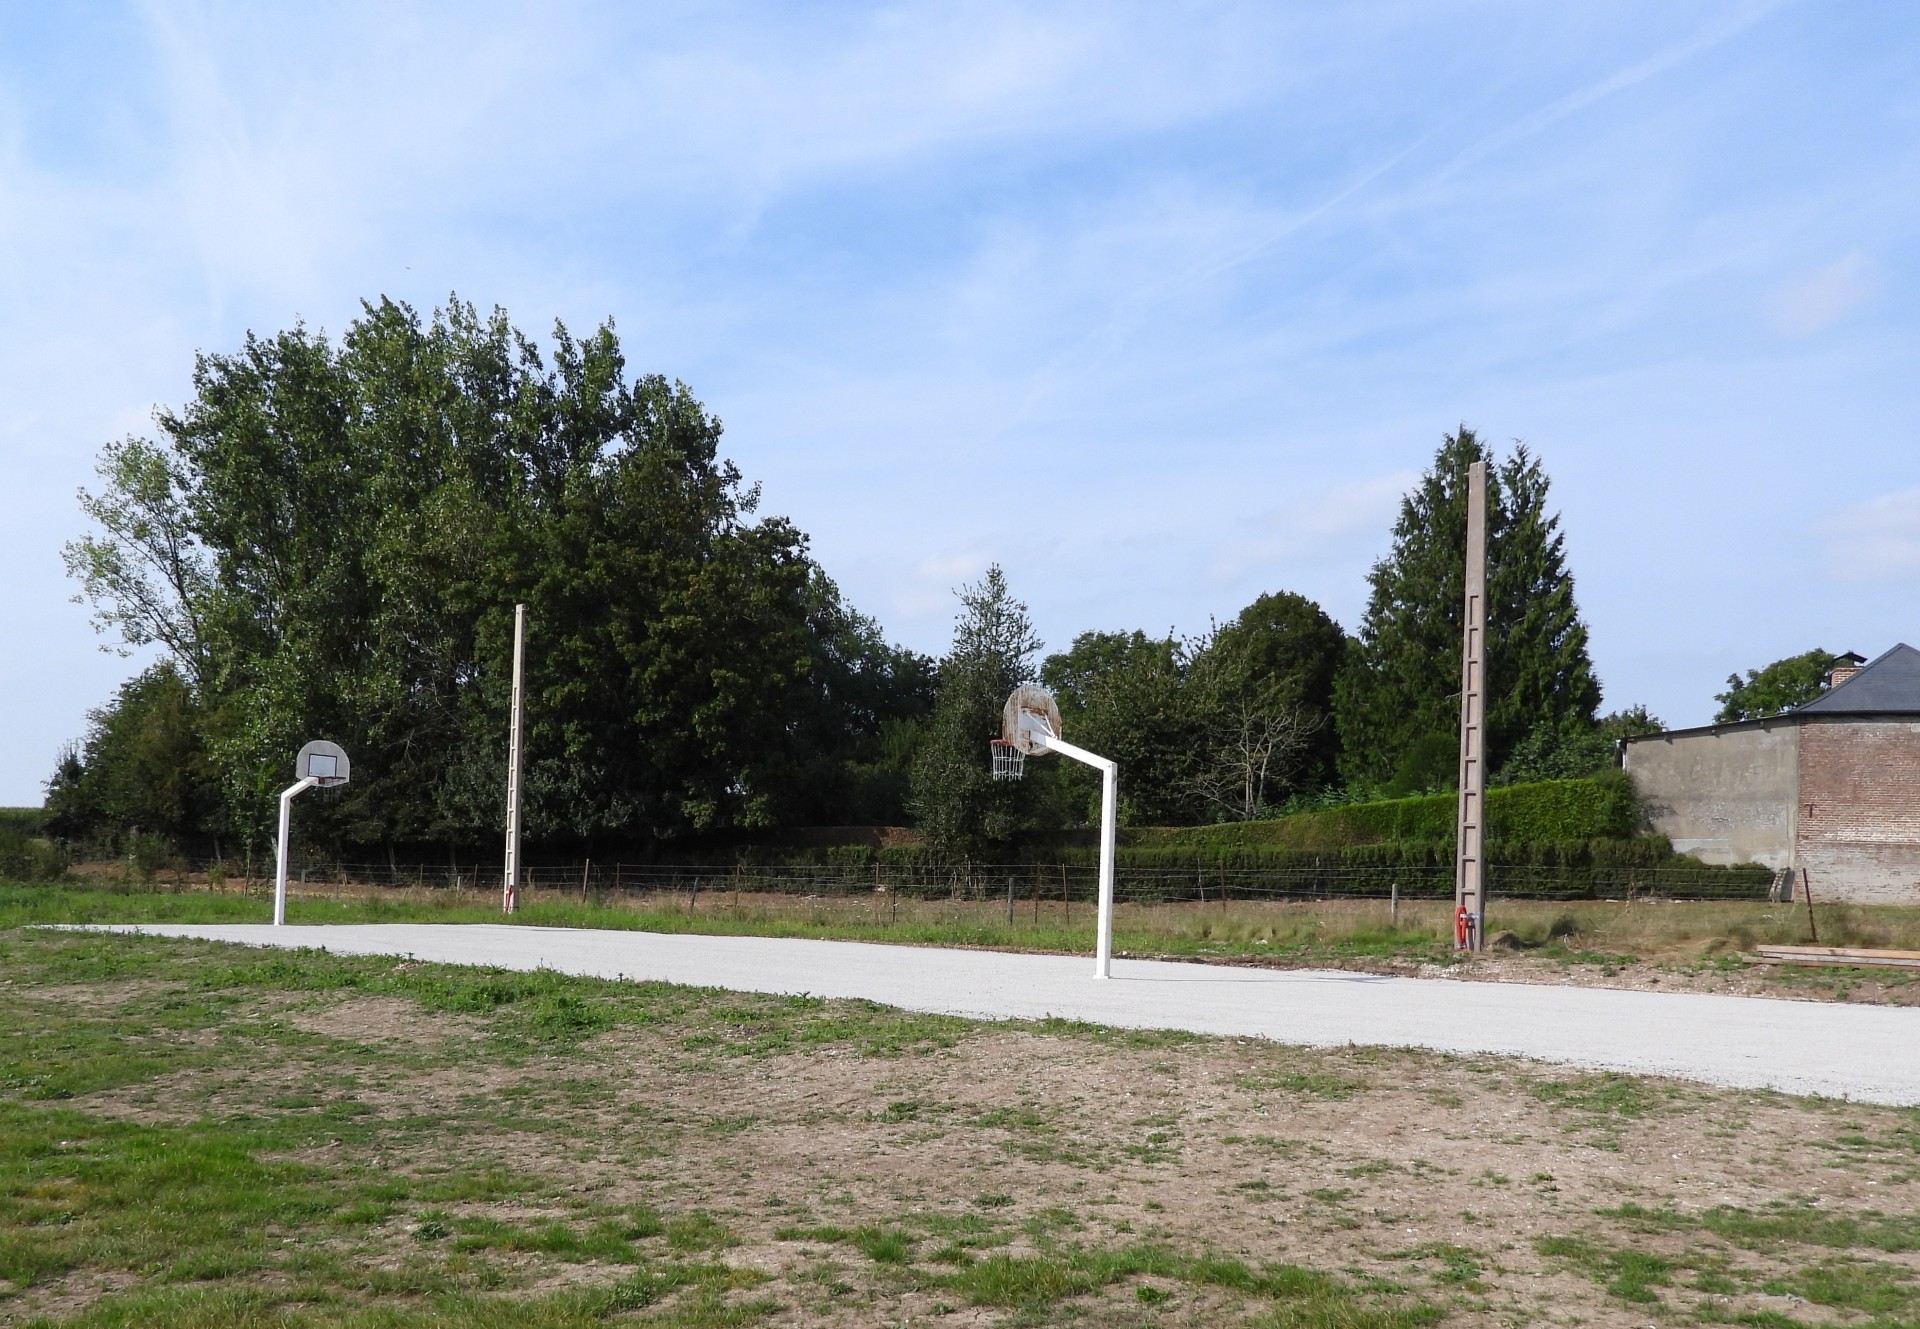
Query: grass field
{"points": [[212, 1137], [1689, 942]]}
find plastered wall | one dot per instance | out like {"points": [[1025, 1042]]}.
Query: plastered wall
{"points": [[1726, 797]]}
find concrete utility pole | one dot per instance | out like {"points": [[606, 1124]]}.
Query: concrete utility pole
{"points": [[510, 888], [1470, 867]]}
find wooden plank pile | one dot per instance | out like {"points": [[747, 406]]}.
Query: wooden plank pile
{"points": [[1836, 955]]}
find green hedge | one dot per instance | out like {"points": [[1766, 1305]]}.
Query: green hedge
{"points": [[1647, 851], [1601, 807], [1536, 869]]}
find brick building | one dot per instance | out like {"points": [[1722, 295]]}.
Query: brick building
{"points": [[1832, 787]]}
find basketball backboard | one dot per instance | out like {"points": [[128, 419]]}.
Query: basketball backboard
{"points": [[323, 762]]}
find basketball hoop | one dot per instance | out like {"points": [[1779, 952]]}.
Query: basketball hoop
{"points": [[1009, 762], [1029, 718], [1030, 727], [320, 765], [324, 763]]}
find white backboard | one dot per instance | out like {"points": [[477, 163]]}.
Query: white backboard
{"points": [[324, 761]]}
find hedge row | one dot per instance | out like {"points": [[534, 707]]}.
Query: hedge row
{"points": [[1557, 870], [1601, 807], [1646, 851]]}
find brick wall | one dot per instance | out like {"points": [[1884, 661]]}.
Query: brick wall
{"points": [[1858, 828]]}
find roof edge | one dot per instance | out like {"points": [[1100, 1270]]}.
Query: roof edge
{"points": [[1784, 717]]}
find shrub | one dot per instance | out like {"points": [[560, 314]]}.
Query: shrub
{"points": [[26, 858], [1600, 807]]}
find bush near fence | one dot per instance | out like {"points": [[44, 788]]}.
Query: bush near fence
{"points": [[1601, 807], [1555, 872], [1563, 870], [25, 857], [1555, 839]]}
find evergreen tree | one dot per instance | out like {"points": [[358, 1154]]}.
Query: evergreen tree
{"points": [[1400, 697], [956, 800]]}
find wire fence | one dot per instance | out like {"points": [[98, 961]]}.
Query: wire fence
{"points": [[1028, 882]]}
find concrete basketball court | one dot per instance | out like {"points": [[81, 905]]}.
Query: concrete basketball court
{"points": [[1799, 1047]]}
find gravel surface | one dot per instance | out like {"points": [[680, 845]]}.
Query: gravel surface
{"points": [[1866, 1053]]}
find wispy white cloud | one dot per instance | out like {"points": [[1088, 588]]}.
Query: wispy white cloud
{"points": [[1823, 298], [930, 589], [1308, 526], [1874, 541]]}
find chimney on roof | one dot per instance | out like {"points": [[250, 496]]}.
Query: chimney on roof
{"points": [[1845, 666]]}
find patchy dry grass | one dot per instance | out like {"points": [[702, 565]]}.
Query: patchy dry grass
{"points": [[200, 1135]]}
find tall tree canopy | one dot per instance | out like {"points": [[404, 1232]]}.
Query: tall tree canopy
{"points": [[1124, 695], [1286, 653], [143, 765], [1777, 687], [1225, 725], [329, 540], [1399, 699]]}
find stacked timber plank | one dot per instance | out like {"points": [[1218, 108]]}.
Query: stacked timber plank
{"points": [[1836, 955]]}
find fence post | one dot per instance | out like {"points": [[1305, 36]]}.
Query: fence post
{"points": [[1066, 900]]}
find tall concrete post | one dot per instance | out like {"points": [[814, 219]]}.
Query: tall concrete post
{"points": [[510, 884], [1470, 867]]}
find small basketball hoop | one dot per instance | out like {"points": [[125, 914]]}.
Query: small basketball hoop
{"points": [[324, 763], [1009, 762]]}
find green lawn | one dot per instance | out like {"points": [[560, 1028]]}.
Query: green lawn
{"points": [[215, 1137]]}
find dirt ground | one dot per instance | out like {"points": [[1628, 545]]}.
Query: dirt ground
{"points": [[1729, 976], [853, 1182]]}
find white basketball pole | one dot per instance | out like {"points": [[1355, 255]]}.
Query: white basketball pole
{"points": [[1109, 833], [510, 883], [280, 861]]}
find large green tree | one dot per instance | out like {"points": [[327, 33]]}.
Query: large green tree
{"points": [[1398, 701], [330, 538], [1125, 696], [1283, 654], [1223, 725], [1777, 687], [143, 766]]}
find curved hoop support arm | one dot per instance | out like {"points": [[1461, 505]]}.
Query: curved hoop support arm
{"points": [[1109, 769], [280, 859]]}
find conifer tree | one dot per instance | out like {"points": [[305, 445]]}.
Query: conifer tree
{"points": [[1400, 696], [956, 800]]}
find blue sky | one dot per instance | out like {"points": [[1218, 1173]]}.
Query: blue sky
{"points": [[1159, 306]]}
